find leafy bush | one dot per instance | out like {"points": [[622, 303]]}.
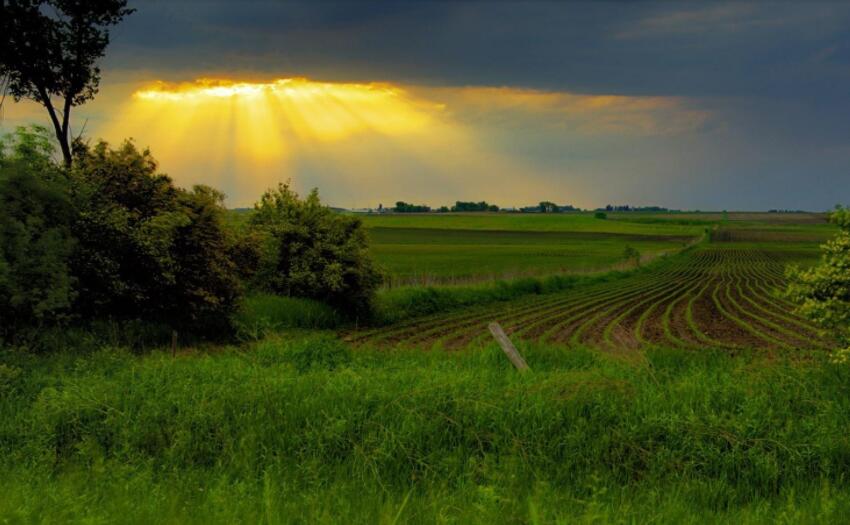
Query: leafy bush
{"points": [[600, 215], [823, 292], [310, 251], [148, 249], [109, 238], [35, 235]]}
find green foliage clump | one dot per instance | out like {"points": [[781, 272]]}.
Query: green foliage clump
{"points": [[600, 215], [630, 253], [463, 206], [148, 249], [36, 239], [310, 251], [823, 291], [109, 238], [405, 207]]}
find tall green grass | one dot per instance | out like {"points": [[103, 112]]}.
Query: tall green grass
{"points": [[305, 430], [262, 314]]}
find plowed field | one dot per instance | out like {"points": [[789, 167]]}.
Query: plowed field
{"points": [[721, 295]]}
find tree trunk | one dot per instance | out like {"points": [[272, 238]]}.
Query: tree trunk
{"points": [[60, 128]]}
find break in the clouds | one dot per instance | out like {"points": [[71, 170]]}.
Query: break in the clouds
{"points": [[692, 105]]}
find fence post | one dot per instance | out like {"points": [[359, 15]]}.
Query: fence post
{"points": [[508, 347]]}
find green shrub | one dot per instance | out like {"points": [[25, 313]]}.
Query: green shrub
{"points": [[148, 249], [600, 215], [823, 292], [36, 241], [109, 239], [310, 251]]}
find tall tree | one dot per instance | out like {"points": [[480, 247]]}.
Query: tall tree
{"points": [[50, 52]]}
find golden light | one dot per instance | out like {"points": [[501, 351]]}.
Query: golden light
{"points": [[365, 142], [307, 109], [252, 134]]}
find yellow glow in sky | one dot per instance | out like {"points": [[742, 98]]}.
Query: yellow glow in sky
{"points": [[311, 110], [373, 142]]}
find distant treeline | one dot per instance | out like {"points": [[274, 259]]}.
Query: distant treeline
{"points": [[470, 206], [542, 207], [626, 207]]}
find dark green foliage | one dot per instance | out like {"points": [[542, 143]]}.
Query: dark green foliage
{"points": [[474, 206], [600, 215], [311, 251], [109, 239], [36, 241], [548, 207], [148, 249], [404, 207]]}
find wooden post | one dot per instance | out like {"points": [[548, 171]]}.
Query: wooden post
{"points": [[508, 347], [173, 343]]}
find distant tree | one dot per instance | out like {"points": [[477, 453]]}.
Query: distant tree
{"points": [[51, 48], [548, 207], [443, 209], [474, 206], [823, 291], [600, 215], [403, 207]]}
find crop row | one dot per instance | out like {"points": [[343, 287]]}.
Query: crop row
{"points": [[719, 296]]}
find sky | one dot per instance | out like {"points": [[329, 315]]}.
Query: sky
{"points": [[687, 105]]}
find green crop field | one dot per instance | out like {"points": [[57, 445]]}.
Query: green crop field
{"points": [[640, 224], [436, 256], [457, 248], [423, 249], [723, 293]]}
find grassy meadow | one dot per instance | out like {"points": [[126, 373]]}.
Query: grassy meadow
{"points": [[304, 430]]}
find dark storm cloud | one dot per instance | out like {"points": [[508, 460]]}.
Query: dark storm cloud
{"points": [[691, 49], [772, 80]]}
